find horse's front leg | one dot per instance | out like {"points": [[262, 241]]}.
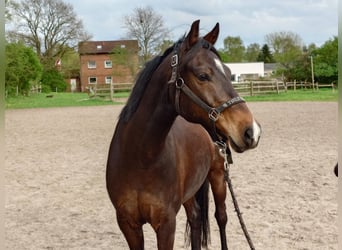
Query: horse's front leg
{"points": [[132, 231], [165, 230], [219, 189]]}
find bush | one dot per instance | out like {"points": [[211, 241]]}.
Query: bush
{"points": [[52, 80]]}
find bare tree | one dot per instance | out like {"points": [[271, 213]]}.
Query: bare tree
{"points": [[286, 46], [49, 26], [148, 28]]}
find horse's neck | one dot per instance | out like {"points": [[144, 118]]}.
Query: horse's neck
{"points": [[152, 122]]}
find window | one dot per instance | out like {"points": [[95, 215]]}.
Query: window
{"points": [[108, 64], [91, 65], [122, 46], [108, 79], [92, 80], [98, 47]]}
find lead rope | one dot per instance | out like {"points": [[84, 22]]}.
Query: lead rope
{"points": [[222, 147]]}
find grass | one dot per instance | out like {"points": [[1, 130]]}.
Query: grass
{"points": [[298, 95], [60, 100], [82, 99]]}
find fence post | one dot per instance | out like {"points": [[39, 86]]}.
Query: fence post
{"points": [[294, 85], [111, 91], [251, 88], [277, 86]]}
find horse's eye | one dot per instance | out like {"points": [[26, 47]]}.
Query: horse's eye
{"points": [[203, 77]]}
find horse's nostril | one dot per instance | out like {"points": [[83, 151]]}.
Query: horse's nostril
{"points": [[249, 136]]}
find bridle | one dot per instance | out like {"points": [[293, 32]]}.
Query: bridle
{"points": [[181, 87]]}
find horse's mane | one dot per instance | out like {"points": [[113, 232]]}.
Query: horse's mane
{"points": [[141, 83]]}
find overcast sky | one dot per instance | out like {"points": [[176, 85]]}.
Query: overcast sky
{"points": [[314, 20]]}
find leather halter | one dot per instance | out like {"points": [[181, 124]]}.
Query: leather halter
{"points": [[213, 112]]}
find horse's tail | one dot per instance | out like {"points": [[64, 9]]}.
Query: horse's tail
{"points": [[202, 199]]}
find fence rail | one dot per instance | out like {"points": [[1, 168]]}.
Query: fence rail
{"points": [[107, 90], [309, 85], [252, 88]]}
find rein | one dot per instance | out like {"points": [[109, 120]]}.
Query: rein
{"points": [[213, 112], [225, 155]]}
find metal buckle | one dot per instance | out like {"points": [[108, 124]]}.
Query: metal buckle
{"points": [[179, 83], [223, 152], [213, 114], [174, 60]]}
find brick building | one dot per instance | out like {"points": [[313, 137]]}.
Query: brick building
{"points": [[106, 62]]}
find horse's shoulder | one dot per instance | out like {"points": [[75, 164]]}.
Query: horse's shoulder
{"points": [[184, 129]]}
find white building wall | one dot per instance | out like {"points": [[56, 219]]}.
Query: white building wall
{"points": [[238, 69]]}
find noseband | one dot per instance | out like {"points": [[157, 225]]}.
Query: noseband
{"points": [[213, 112]]}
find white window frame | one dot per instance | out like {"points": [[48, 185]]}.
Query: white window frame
{"points": [[108, 66], [91, 64], [94, 77], [108, 80]]}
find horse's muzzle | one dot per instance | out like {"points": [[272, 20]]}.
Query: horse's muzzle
{"points": [[249, 140]]}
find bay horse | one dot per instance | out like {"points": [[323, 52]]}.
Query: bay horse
{"points": [[163, 155]]}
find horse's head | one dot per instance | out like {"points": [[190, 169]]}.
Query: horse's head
{"points": [[203, 92]]}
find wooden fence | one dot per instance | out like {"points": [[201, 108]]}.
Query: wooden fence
{"points": [[247, 88], [309, 85], [252, 88], [108, 90]]}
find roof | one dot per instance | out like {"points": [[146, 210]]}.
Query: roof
{"points": [[270, 66], [105, 47]]}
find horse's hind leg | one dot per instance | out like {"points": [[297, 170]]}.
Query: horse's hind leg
{"points": [[132, 231], [192, 214], [219, 189]]}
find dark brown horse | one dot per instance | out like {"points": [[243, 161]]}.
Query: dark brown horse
{"points": [[162, 155]]}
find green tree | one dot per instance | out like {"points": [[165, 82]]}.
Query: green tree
{"points": [[252, 52], [234, 49], [22, 69], [70, 63], [8, 5], [287, 48], [325, 61], [302, 65], [265, 55], [223, 55]]}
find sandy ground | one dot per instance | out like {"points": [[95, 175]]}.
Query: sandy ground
{"points": [[56, 196]]}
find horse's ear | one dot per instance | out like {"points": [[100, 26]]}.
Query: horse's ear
{"points": [[212, 36], [193, 35]]}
